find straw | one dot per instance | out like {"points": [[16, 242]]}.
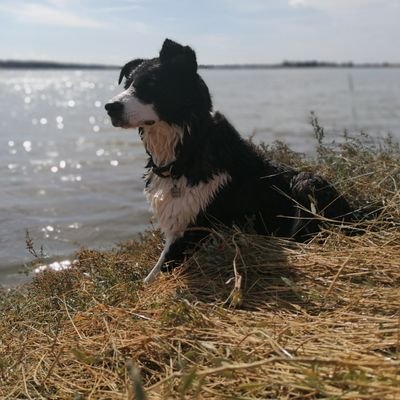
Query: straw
{"points": [[245, 317]]}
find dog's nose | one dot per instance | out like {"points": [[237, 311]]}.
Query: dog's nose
{"points": [[114, 108]]}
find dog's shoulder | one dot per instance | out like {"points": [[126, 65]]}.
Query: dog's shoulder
{"points": [[239, 155], [222, 128]]}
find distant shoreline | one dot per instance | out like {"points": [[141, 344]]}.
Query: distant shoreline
{"points": [[14, 64]]}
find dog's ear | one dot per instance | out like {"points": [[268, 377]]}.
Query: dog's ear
{"points": [[128, 68], [182, 58]]}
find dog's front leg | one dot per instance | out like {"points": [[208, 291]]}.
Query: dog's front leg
{"points": [[174, 251], [157, 268]]}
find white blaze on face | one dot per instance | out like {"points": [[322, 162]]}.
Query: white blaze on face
{"points": [[135, 113]]}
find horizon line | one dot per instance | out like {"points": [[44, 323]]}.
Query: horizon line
{"points": [[38, 64]]}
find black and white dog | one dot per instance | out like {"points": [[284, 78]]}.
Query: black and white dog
{"points": [[200, 171]]}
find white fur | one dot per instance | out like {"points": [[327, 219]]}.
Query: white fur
{"points": [[152, 275], [174, 203], [135, 112], [174, 214]]}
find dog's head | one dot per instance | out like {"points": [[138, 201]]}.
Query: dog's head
{"points": [[167, 88]]}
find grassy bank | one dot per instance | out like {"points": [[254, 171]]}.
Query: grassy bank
{"points": [[247, 317]]}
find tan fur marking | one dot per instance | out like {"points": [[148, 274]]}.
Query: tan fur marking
{"points": [[160, 141]]}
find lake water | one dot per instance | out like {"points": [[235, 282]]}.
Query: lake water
{"points": [[72, 180]]}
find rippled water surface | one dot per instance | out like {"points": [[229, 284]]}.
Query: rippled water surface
{"points": [[71, 179]]}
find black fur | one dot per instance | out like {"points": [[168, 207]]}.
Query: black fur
{"points": [[263, 196]]}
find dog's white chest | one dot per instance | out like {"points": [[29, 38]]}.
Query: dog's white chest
{"points": [[176, 205]]}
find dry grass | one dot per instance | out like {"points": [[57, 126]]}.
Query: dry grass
{"points": [[247, 317]]}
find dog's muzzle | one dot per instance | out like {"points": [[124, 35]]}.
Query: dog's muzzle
{"points": [[114, 110]]}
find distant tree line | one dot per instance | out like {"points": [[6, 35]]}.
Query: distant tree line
{"points": [[13, 64]]}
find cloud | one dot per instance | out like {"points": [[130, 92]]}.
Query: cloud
{"points": [[337, 4], [53, 13], [297, 3], [248, 5]]}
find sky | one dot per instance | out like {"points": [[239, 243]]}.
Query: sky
{"points": [[221, 31]]}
